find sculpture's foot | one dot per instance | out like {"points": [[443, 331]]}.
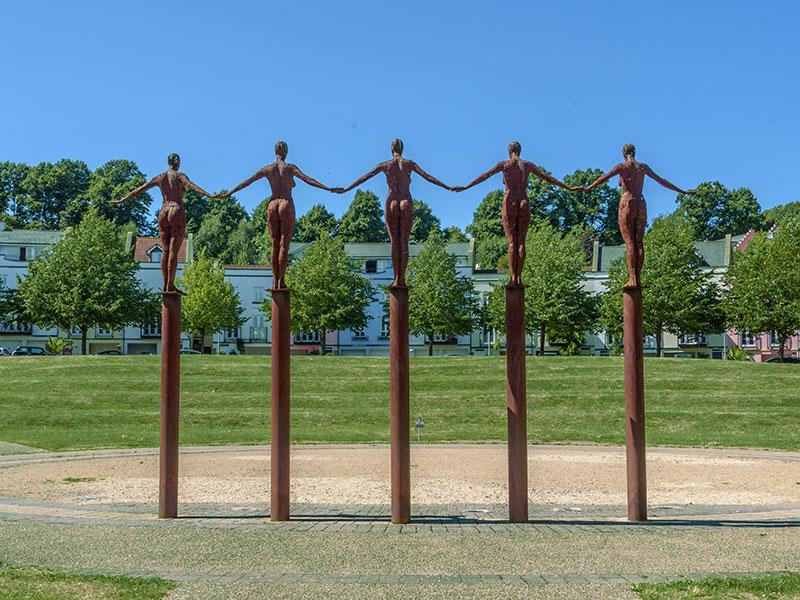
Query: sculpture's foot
{"points": [[631, 284], [173, 290], [398, 282]]}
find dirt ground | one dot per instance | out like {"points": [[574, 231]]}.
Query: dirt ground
{"points": [[573, 476]]}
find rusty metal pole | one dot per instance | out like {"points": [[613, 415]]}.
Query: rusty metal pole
{"points": [[399, 404], [634, 404], [170, 405], [281, 352], [516, 405]]}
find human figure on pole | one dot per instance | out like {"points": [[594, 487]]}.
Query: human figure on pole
{"points": [[516, 214], [399, 208], [280, 212], [171, 217], [632, 207]]}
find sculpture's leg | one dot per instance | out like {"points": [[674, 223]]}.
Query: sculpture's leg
{"points": [[406, 221], [399, 404], [274, 225], [516, 405], [287, 219], [281, 352], [165, 234], [174, 249], [170, 405], [393, 228], [634, 404]]}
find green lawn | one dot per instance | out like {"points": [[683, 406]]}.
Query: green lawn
{"points": [[33, 584], [105, 401], [773, 587]]}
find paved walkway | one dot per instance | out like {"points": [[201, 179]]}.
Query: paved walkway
{"points": [[230, 551]]}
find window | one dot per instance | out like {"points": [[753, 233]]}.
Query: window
{"points": [[650, 342], [232, 334], [748, 339], [774, 340], [360, 333], [23, 253], [489, 336], [259, 294], [371, 266], [385, 326], [257, 330], [151, 330], [307, 338], [16, 327], [103, 332], [443, 339], [693, 339]]}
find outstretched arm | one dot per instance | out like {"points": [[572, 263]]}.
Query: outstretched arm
{"points": [[542, 174], [142, 188], [667, 184], [242, 185], [193, 186], [362, 179], [480, 178], [429, 177], [309, 180], [602, 179]]}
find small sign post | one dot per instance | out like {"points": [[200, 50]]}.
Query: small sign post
{"points": [[418, 426]]}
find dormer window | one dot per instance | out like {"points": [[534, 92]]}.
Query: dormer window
{"points": [[155, 254], [23, 253]]}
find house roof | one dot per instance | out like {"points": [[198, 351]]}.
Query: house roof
{"points": [[714, 252], [384, 249], [143, 245], [30, 236]]}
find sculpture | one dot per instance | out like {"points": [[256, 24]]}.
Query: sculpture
{"points": [[399, 208], [280, 212], [516, 214], [632, 207], [171, 217]]}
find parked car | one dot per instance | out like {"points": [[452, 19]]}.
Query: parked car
{"points": [[786, 359], [190, 352], [110, 352], [29, 351], [4, 352]]}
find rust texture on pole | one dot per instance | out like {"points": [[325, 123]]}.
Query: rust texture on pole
{"points": [[634, 404], [279, 457], [399, 404], [516, 405], [170, 404]]}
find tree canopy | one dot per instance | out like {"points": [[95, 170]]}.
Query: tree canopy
{"points": [[424, 223], [440, 302], [678, 296], [329, 293], [363, 220], [211, 304], [763, 284], [715, 210], [84, 280], [316, 223]]}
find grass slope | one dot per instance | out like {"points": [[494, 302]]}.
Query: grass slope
{"points": [[33, 584], [94, 402], [775, 587]]}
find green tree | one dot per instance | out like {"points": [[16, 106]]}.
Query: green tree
{"points": [[556, 305], [114, 180], [542, 197], [678, 296], [262, 239], [763, 285], [329, 292], [487, 230], [363, 220], [85, 280], [454, 235], [196, 207], [242, 248], [51, 190], [715, 210], [596, 209], [780, 214], [316, 223], [440, 302], [218, 237], [14, 206], [424, 223], [211, 304]]}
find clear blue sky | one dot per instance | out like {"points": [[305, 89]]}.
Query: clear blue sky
{"points": [[706, 90]]}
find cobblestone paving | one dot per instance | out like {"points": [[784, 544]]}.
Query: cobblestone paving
{"points": [[230, 551]]}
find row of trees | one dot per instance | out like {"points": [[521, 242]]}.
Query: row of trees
{"points": [[87, 280]]}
